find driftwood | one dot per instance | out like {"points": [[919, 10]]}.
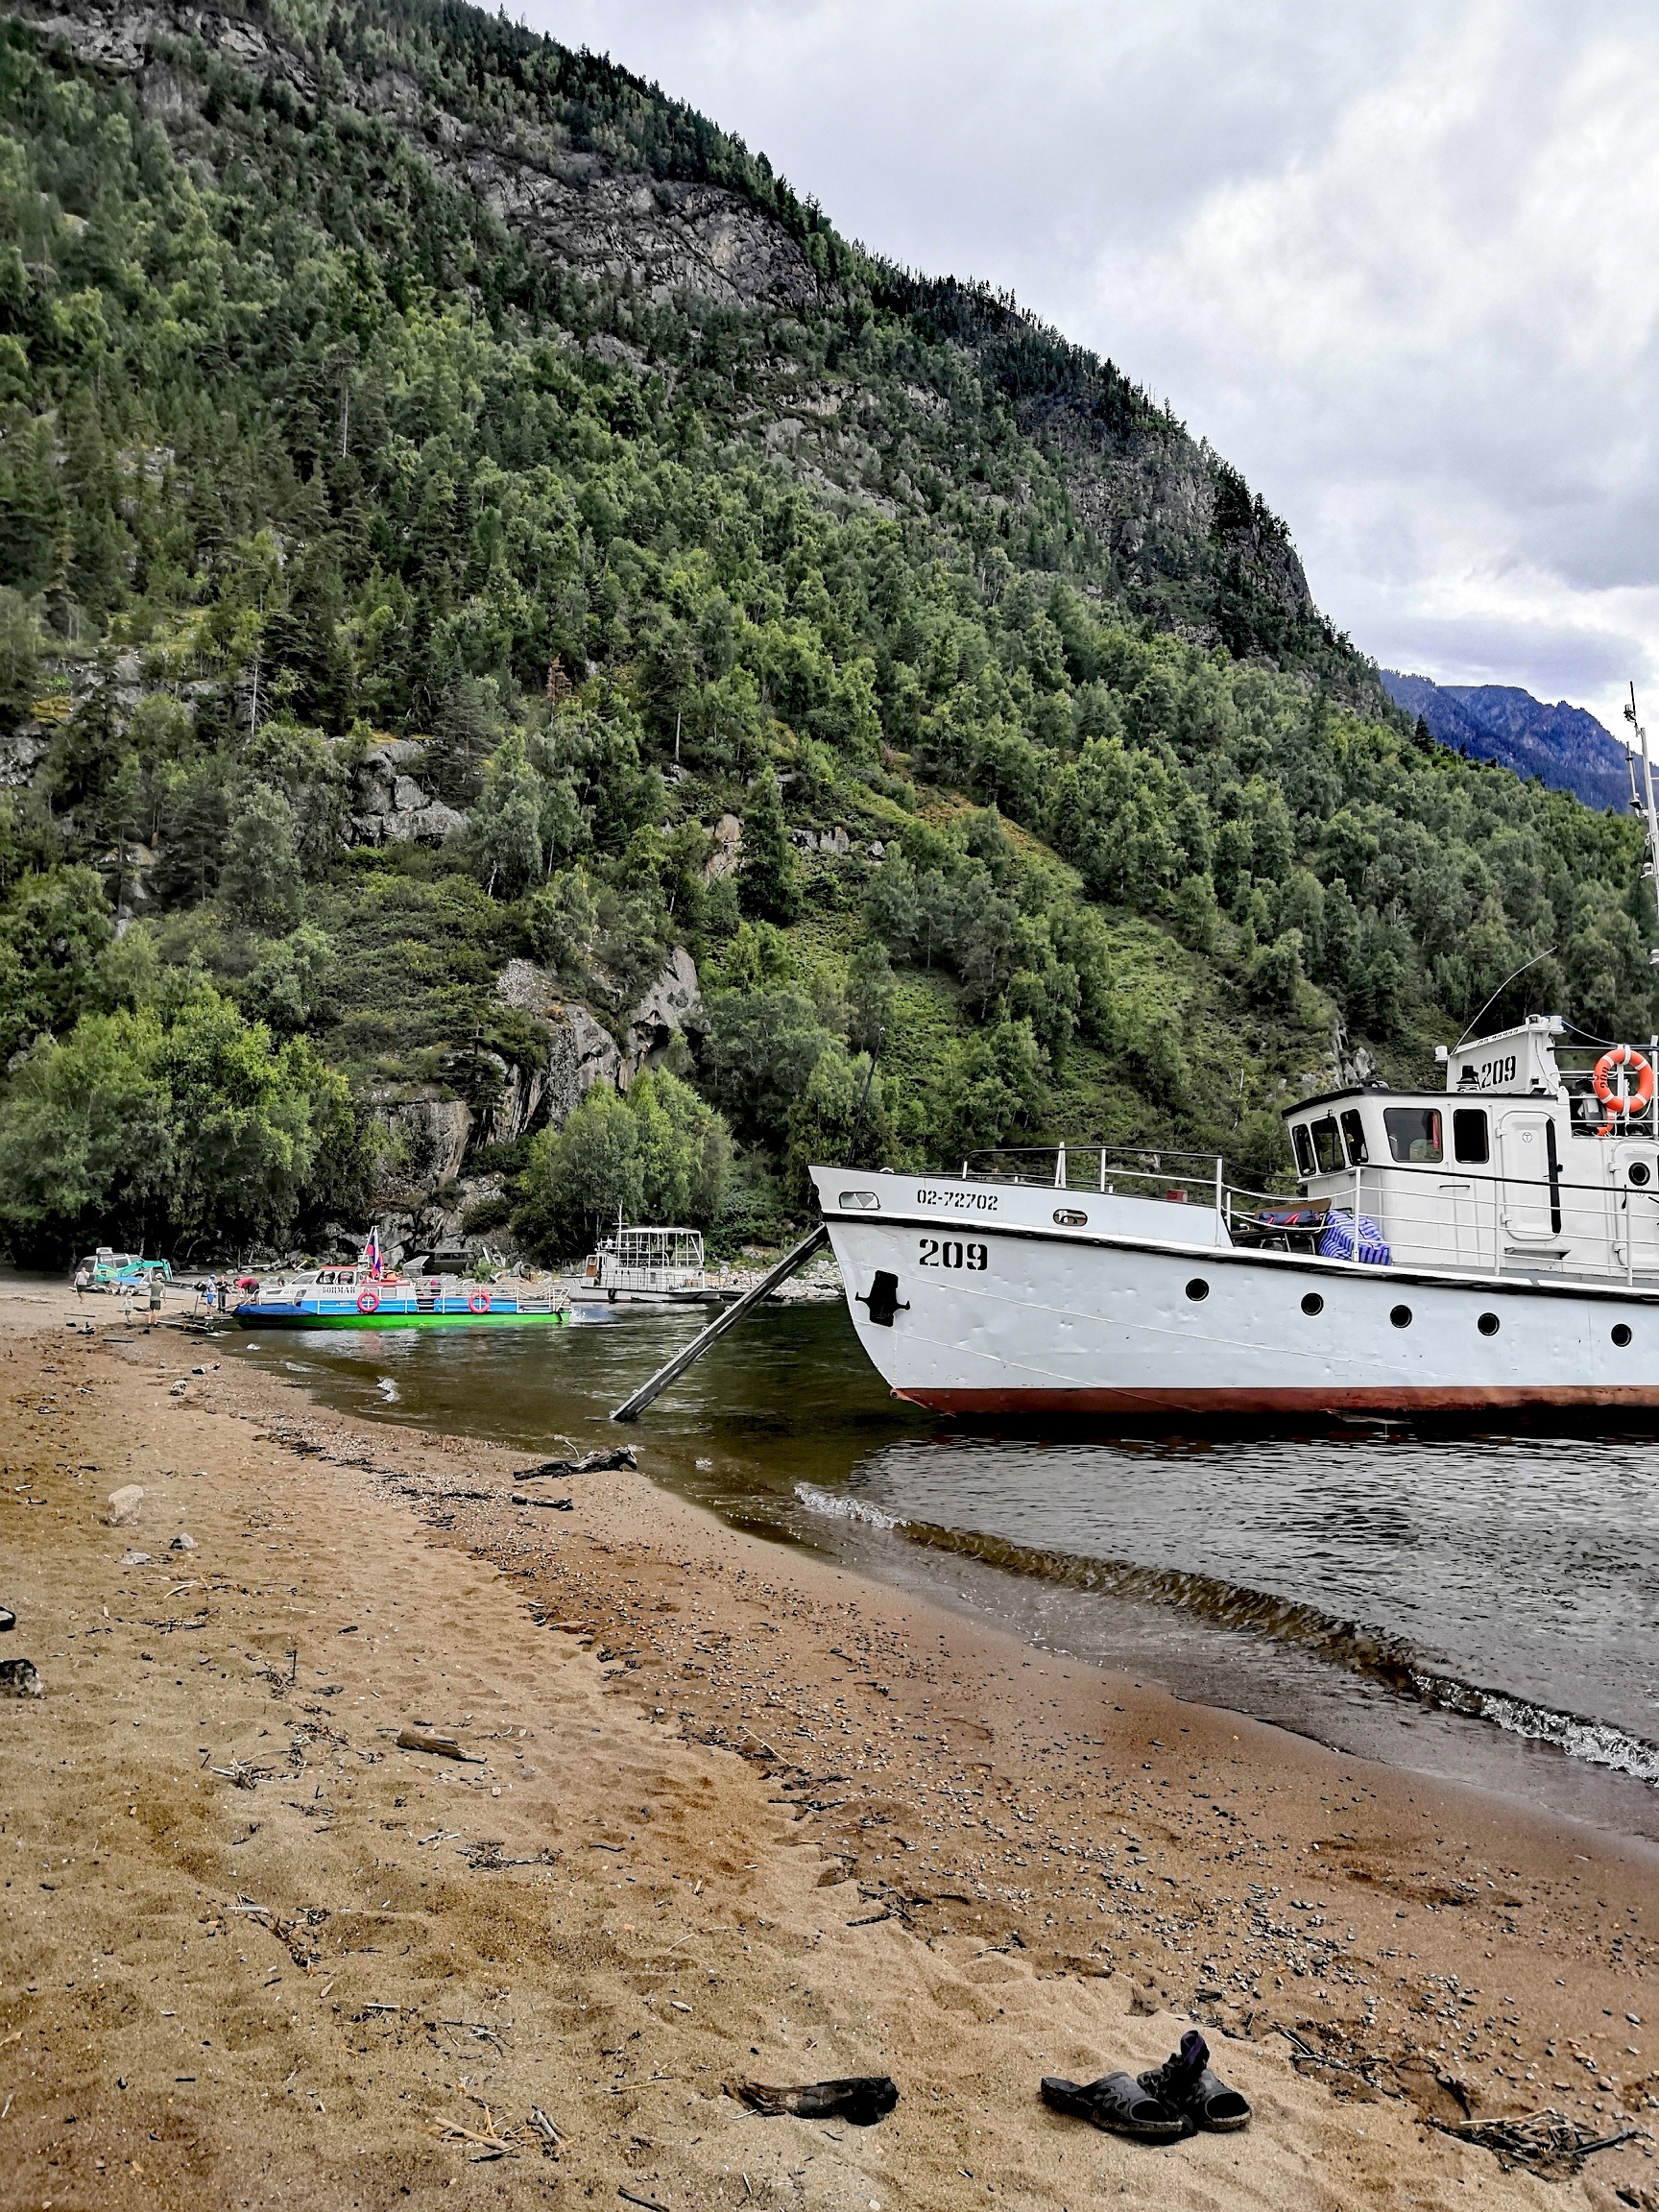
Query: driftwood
{"points": [[590, 1463], [859, 2099], [294, 1934], [553, 1504], [440, 1746], [490, 2145], [1546, 2142], [551, 2136]]}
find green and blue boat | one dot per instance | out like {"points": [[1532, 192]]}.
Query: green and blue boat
{"points": [[363, 1297]]}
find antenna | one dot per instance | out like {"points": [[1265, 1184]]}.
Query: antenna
{"points": [[1498, 993], [1650, 867]]}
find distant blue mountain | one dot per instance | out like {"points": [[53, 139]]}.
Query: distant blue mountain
{"points": [[1567, 748]]}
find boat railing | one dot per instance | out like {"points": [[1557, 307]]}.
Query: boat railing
{"points": [[650, 1279], [1471, 1217], [1180, 1178], [1575, 1064], [1478, 1216]]}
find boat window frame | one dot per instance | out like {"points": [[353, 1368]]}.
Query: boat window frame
{"points": [[1353, 1123], [1462, 1117], [1316, 1131], [1302, 1144], [1398, 1138]]}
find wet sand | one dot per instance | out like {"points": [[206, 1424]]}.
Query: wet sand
{"points": [[730, 1812]]}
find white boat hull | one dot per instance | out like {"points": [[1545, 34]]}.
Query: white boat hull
{"points": [[1000, 1310]]}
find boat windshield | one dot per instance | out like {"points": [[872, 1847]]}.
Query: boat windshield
{"points": [[1414, 1134], [1326, 1146]]}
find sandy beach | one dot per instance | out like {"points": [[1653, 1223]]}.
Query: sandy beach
{"points": [[728, 1812]]}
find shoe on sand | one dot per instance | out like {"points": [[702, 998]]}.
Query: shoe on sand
{"points": [[1186, 2084], [1118, 2103]]}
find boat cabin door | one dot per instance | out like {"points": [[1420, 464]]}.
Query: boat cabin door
{"points": [[1529, 1200], [1636, 1200]]}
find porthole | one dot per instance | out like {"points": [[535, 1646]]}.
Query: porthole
{"points": [[1312, 1304], [1487, 1324], [1197, 1289], [1640, 1173], [1620, 1334], [1068, 1217], [1401, 1317]]}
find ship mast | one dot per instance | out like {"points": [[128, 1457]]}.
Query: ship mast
{"points": [[1644, 806]]}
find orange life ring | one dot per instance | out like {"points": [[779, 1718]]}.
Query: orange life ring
{"points": [[368, 1298], [1635, 1101], [477, 1301]]}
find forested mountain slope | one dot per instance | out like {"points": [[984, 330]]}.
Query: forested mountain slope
{"points": [[473, 543]]}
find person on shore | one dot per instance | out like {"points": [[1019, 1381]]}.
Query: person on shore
{"points": [[154, 1300], [81, 1286], [126, 1304], [209, 1298]]}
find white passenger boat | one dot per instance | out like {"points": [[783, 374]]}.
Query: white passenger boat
{"points": [[645, 1266], [1493, 1246]]}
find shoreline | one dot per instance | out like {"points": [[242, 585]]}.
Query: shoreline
{"points": [[890, 1839], [1287, 1659]]}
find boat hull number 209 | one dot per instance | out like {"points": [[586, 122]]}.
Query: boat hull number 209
{"points": [[1493, 1075], [952, 1252]]}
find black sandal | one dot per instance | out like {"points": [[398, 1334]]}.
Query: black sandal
{"points": [[1186, 2084], [1118, 2103]]}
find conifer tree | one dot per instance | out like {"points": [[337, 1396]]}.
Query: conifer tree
{"points": [[768, 885]]}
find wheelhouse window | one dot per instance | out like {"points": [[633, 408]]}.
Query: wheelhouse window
{"points": [[1469, 1139], [1414, 1136], [1302, 1147], [1354, 1137], [1327, 1147]]}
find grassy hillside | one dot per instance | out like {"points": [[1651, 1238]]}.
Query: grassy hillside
{"points": [[388, 376]]}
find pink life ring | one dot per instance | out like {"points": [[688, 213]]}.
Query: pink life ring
{"points": [[477, 1301], [368, 1298]]}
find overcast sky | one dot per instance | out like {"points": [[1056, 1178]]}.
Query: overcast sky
{"points": [[1398, 261]]}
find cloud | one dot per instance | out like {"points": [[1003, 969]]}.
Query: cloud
{"points": [[1397, 261]]}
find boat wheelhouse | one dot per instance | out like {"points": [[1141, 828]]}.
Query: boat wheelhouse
{"points": [[1518, 1167]]}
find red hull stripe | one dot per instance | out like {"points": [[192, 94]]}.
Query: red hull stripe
{"points": [[1439, 1398]]}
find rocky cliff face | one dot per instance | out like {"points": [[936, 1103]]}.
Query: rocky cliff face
{"points": [[1187, 543], [599, 217], [392, 807]]}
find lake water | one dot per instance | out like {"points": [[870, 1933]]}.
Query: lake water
{"points": [[1485, 1608]]}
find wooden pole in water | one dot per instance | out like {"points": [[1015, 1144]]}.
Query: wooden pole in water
{"points": [[631, 1409]]}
